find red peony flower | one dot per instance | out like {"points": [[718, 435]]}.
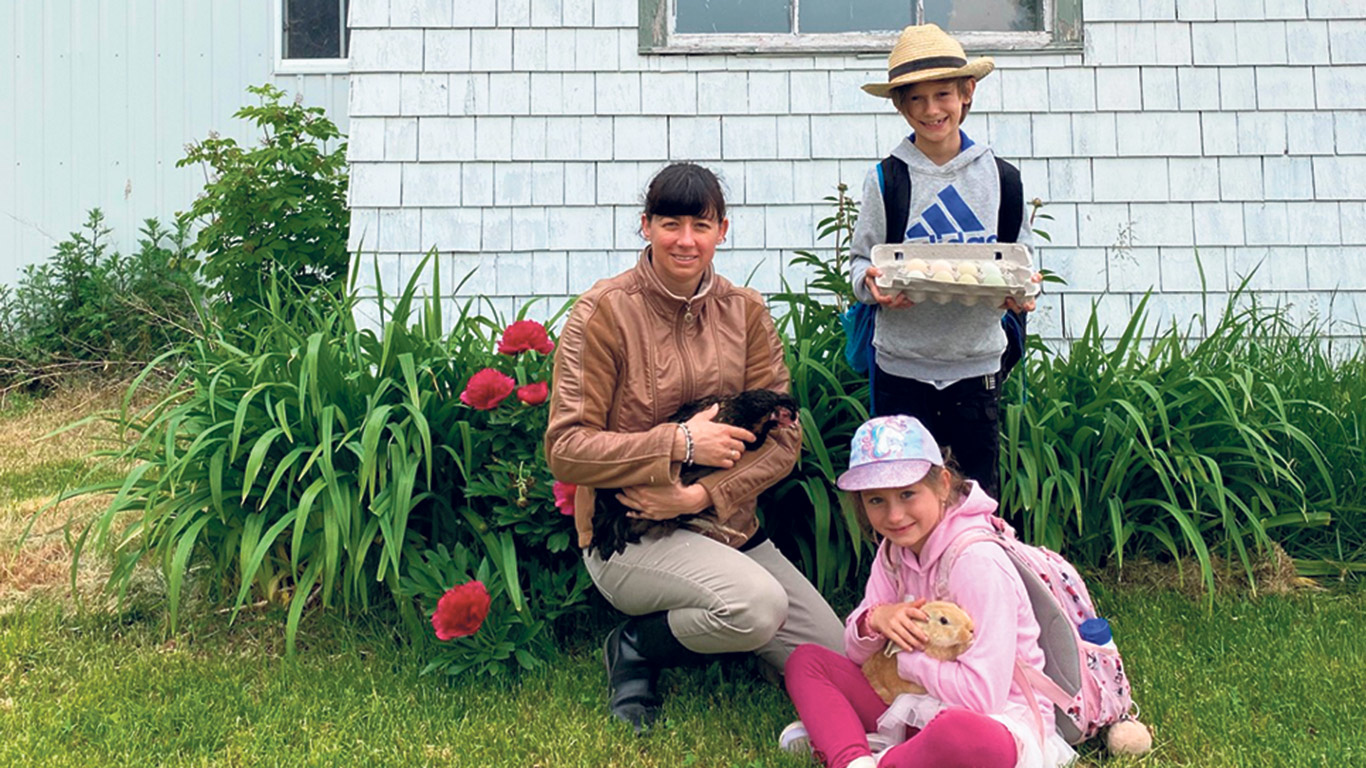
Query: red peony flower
{"points": [[533, 394], [461, 611], [564, 497], [486, 389], [525, 335]]}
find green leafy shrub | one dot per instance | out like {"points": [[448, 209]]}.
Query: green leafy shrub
{"points": [[308, 459], [1175, 445], [1165, 448], [817, 522], [279, 206], [88, 308]]}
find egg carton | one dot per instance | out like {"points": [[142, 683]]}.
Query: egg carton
{"points": [[968, 273]]}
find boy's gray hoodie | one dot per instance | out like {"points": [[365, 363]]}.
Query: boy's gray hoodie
{"points": [[951, 203]]}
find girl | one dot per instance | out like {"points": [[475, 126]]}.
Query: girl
{"points": [[636, 347], [974, 714]]}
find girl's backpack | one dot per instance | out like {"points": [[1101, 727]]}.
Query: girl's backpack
{"points": [[1085, 682]]}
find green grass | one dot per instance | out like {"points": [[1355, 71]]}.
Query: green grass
{"points": [[1272, 681], [50, 478], [92, 690]]}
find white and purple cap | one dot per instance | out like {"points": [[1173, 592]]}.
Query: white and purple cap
{"points": [[890, 452]]}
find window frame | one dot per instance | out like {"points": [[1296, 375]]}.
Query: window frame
{"points": [[284, 66], [1062, 32]]}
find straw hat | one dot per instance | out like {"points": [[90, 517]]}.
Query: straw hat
{"points": [[927, 52]]}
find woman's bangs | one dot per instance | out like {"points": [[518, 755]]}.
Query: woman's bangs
{"points": [[687, 196]]}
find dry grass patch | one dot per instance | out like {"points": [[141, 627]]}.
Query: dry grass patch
{"points": [[42, 563], [1273, 573], [24, 441], [36, 465]]}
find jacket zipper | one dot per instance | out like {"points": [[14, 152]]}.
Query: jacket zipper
{"points": [[679, 338]]}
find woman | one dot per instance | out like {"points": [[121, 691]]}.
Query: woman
{"points": [[635, 348]]}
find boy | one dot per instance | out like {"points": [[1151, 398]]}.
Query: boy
{"points": [[940, 363]]}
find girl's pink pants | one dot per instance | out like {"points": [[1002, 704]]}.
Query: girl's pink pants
{"points": [[838, 706]]}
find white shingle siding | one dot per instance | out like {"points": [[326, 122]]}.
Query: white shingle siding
{"points": [[1306, 42], [1228, 132], [1159, 88], [1237, 88], [419, 13], [374, 94], [368, 13], [366, 142], [1287, 178], [1193, 178]]}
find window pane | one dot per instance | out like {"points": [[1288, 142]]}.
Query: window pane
{"points": [[733, 16], [313, 29], [986, 15], [854, 15]]}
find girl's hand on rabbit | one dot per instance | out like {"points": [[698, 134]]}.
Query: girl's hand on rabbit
{"points": [[902, 623]]}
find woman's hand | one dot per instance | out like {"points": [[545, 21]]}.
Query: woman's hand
{"points": [[714, 444], [897, 300], [900, 623], [664, 502]]}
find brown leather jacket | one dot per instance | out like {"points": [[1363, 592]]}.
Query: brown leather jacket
{"points": [[630, 354]]}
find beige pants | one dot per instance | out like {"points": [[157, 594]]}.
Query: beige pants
{"points": [[720, 600]]}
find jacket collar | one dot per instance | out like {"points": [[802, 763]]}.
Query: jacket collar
{"points": [[661, 298]]}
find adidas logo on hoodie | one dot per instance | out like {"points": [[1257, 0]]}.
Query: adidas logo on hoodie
{"points": [[948, 220]]}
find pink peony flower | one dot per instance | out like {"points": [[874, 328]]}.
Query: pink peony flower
{"points": [[564, 497], [461, 611], [533, 394], [486, 389], [525, 335]]}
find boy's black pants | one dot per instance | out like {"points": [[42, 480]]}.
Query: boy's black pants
{"points": [[964, 418]]}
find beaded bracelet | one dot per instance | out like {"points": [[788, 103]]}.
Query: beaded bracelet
{"points": [[687, 442]]}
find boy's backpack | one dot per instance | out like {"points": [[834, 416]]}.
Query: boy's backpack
{"points": [[1085, 682], [894, 178]]}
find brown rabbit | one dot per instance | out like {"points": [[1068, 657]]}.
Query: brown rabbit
{"points": [[950, 631]]}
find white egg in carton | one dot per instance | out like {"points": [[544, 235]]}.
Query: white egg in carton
{"points": [[967, 273]]}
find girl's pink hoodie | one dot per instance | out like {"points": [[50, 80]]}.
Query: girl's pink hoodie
{"points": [[985, 584]]}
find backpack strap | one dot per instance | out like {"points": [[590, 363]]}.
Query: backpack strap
{"points": [[950, 558], [1010, 213], [1021, 678], [892, 562], [1062, 670], [895, 179], [1009, 220]]}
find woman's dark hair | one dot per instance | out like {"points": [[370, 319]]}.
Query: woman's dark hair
{"points": [[685, 189]]}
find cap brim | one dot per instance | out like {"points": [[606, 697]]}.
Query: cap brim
{"points": [[884, 474], [977, 68]]}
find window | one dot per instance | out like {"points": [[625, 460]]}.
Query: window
{"points": [[852, 26], [311, 36]]}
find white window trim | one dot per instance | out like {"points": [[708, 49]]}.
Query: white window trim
{"points": [[837, 42], [851, 42], [285, 66]]}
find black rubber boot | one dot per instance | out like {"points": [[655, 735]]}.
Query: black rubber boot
{"points": [[634, 653]]}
